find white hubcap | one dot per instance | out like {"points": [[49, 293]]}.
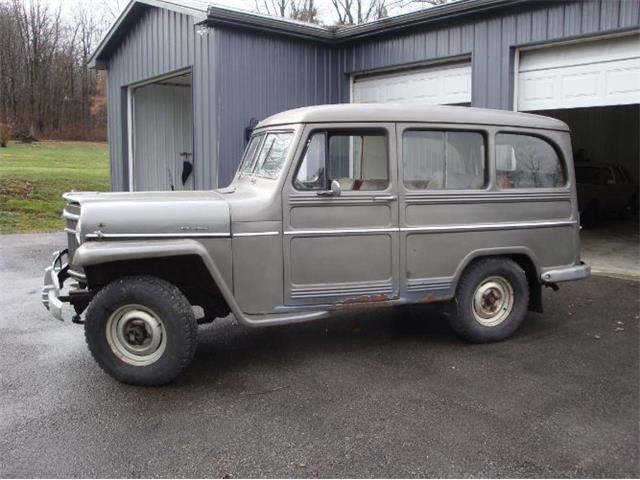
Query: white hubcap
{"points": [[136, 335], [493, 301]]}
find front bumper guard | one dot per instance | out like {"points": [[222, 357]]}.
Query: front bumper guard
{"points": [[54, 277]]}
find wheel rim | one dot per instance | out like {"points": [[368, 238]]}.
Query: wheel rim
{"points": [[136, 335], [493, 301]]}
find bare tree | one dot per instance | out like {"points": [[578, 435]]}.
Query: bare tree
{"points": [[430, 3], [46, 88], [277, 8], [353, 12], [304, 10], [112, 8]]}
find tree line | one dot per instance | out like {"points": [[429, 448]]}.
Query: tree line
{"points": [[346, 12], [46, 87]]}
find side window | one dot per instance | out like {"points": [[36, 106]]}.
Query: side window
{"points": [[358, 160], [443, 160], [525, 161]]}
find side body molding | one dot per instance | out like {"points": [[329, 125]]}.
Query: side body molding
{"points": [[95, 253]]}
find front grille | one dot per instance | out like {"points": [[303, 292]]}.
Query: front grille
{"points": [[71, 215]]}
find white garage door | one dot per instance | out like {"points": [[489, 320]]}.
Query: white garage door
{"points": [[586, 74], [449, 84]]}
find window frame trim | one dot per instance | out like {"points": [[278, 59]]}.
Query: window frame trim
{"points": [[443, 128], [348, 131]]}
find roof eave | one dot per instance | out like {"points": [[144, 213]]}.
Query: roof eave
{"points": [[215, 15], [96, 60], [449, 10], [238, 18], [224, 16]]}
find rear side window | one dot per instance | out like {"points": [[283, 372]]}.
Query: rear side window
{"points": [[443, 160], [525, 161]]}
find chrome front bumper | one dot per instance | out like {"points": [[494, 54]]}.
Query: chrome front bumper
{"points": [[54, 277], [577, 272]]}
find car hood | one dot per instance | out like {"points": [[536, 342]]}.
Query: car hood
{"points": [[150, 214]]}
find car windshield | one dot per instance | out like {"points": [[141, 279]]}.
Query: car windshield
{"points": [[265, 154], [249, 157]]}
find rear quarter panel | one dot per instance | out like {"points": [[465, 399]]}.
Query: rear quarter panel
{"points": [[443, 230]]}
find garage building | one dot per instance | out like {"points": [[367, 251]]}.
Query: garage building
{"points": [[187, 80]]}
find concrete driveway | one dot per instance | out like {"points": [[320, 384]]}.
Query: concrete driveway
{"points": [[387, 394]]}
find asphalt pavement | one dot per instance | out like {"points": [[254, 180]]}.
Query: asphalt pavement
{"points": [[390, 393]]}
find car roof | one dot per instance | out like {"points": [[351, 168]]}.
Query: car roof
{"points": [[410, 112]]}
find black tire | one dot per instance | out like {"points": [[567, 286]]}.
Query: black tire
{"points": [[164, 302], [485, 273]]}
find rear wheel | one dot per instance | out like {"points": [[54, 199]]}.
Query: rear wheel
{"points": [[492, 300], [141, 330]]}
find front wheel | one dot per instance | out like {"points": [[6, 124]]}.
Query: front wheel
{"points": [[141, 330], [492, 300]]}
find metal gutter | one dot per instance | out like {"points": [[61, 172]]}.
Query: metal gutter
{"points": [[448, 11], [217, 15], [246, 19]]}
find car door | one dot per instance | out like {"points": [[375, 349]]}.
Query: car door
{"points": [[341, 245]]}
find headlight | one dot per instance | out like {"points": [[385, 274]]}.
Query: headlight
{"points": [[78, 227]]}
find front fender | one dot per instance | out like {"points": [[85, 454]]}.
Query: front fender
{"points": [[99, 252]]}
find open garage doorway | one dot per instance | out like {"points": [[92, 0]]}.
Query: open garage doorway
{"points": [[161, 138], [606, 154], [593, 85], [606, 145]]}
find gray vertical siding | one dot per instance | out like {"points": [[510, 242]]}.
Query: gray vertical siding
{"points": [[489, 40], [239, 74], [160, 42], [257, 75]]}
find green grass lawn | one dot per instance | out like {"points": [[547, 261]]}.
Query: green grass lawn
{"points": [[33, 178]]}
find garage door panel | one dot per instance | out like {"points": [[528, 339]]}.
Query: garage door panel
{"points": [[587, 52], [598, 73], [442, 85], [458, 83], [624, 79], [579, 84]]}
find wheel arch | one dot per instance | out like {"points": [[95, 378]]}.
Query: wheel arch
{"points": [[183, 262], [523, 256]]}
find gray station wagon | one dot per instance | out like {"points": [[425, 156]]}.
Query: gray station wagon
{"points": [[332, 208]]}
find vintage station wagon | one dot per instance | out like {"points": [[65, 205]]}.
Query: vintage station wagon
{"points": [[333, 207]]}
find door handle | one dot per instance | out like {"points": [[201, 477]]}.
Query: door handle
{"points": [[384, 198]]}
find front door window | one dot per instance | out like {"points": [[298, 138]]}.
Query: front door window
{"points": [[357, 160]]}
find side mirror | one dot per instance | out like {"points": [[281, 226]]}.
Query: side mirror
{"points": [[334, 192]]}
